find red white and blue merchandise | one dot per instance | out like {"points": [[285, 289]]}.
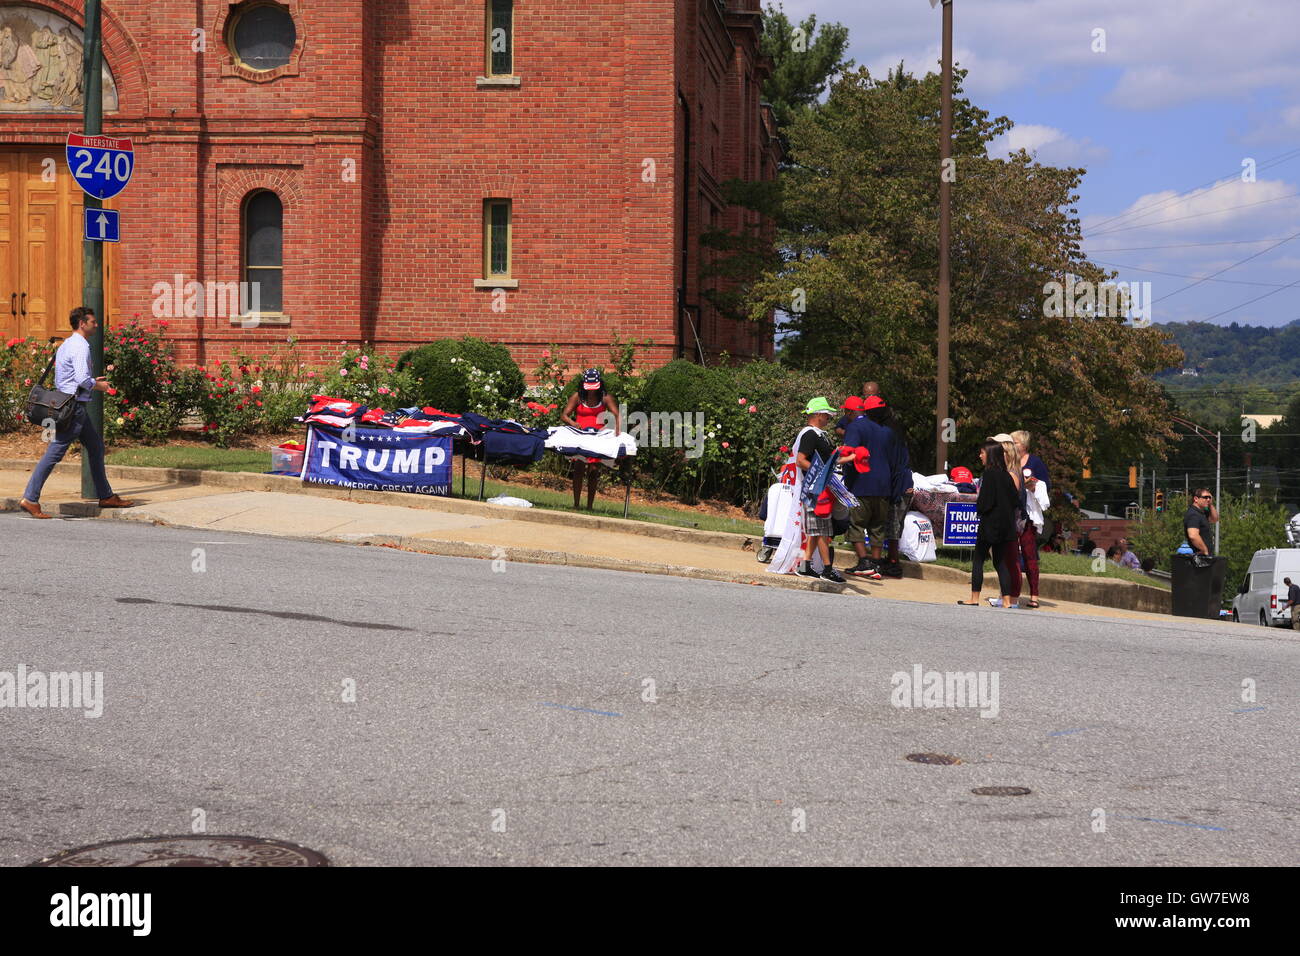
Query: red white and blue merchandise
{"points": [[603, 444], [377, 459]]}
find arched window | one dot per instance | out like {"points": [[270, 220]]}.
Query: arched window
{"points": [[264, 251]]}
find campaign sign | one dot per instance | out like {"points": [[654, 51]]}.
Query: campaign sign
{"points": [[101, 165], [961, 523], [377, 459]]}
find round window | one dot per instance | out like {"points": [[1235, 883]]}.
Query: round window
{"points": [[263, 36]]}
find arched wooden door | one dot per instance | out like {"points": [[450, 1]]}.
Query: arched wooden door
{"points": [[41, 245]]}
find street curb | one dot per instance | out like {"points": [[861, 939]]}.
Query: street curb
{"points": [[1105, 592], [464, 549], [247, 481]]}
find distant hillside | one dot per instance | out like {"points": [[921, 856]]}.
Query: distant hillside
{"points": [[1238, 368], [1236, 354]]}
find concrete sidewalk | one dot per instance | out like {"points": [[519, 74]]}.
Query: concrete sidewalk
{"points": [[472, 529]]}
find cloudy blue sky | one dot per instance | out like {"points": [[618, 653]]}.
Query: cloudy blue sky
{"points": [[1185, 92]]}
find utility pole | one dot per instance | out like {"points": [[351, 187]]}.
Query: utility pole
{"points": [[1142, 480], [945, 228], [1218, 479], [92, 253]]}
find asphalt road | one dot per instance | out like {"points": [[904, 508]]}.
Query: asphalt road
{"points": [[516, 696]]}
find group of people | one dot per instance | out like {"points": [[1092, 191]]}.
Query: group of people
{"points": [[1011, 506], [875, 468]]}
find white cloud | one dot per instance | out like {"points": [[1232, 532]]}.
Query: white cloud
{"points": [[1049, 145], [1229, 206]]}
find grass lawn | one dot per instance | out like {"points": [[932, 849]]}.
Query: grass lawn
{"points": [[1060, 564], [207, 458], [194, 457]]}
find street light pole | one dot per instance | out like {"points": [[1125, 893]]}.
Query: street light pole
{"points": [[945, 226], [92, 253]]}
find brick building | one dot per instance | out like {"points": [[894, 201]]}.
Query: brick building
{"points": [[391, 171]]}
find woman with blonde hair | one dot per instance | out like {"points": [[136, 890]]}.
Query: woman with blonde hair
{"points": [[1034, 473]]}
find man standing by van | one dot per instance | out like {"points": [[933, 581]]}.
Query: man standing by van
{"points": [[1293, 602], [1201, 513]]}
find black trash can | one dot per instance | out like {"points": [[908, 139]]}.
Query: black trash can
{"points": [[1198, 585]]}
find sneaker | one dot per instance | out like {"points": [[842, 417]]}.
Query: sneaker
{"points": [[830, 574], [805, 571], [891, 569], [994, 602], [865, 568]]}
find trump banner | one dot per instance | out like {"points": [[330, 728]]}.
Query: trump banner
{"points": [[377, 459]]}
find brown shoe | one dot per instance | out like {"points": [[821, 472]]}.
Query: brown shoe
{"points": [[115, 502], [33, 509]]}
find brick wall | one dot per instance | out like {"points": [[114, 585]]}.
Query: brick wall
{"points": [[590, 147]]}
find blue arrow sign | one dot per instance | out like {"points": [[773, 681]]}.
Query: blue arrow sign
{"points": [[102, 225], [101, 165]]}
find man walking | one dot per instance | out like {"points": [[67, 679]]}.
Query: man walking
{"points": [[1293, 602], [73, 376]]}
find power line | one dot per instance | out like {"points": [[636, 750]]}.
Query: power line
{"points": [[1257, 298], [1187, 245], [1199, 215], [1253, 255], [1217, 183], [1179, 275]]}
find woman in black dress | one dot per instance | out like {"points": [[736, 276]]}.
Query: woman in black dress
{"points": [[997, 506]]}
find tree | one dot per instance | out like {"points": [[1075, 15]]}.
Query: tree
{"points": [[803, 61], [857, 244]]}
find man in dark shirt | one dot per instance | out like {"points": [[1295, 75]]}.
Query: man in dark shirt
{"points": [[1293, 602], [873, 489], [1201, 513]]}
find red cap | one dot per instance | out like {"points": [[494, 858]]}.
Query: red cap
{"points": [[873, 401], [860, 456], [852, 404], [961, 475]]}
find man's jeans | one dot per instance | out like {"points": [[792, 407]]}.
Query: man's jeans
{"points": [[78, 427]]}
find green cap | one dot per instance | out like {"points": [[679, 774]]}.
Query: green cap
{"points": [[819, 404]]}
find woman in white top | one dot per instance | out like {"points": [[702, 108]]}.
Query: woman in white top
{"points": [[1035, 503]]}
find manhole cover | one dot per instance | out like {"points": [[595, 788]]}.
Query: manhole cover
{"points": [[199, 850], [1001, 791], [946, 759]]}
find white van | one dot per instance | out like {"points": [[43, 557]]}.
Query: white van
{"points": [[1261, 596]]}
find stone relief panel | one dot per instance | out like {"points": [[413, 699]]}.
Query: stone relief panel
{"points": [[41, 63]]}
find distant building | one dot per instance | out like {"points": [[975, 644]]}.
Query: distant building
{"points": [[1263, 421]]}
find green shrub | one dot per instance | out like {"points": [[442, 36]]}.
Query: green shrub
{"points": [[21, 362], [683, 386], [750, 413], [145, 403], [445, 384]]}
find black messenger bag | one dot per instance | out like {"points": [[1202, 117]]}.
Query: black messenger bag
{"points": [[46, 405]]}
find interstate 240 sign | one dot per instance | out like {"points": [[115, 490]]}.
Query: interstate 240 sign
{"points": [[101, 165]]}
